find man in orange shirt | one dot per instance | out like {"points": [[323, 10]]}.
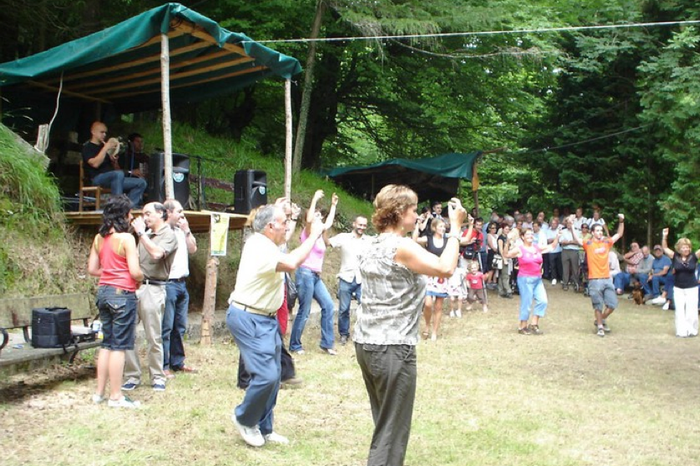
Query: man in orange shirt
{"points": [[600, 286]]}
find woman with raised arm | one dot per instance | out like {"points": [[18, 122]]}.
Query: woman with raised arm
{"points": [[309, 283], [114, 258], [530, 284], [394, 270], [685, 286], [438, 287]]}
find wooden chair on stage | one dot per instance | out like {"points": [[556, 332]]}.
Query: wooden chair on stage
{"points": [[89, 196]]}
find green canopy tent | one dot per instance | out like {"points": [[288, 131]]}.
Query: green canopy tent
{"points": [[435, 178], [168, 54]]}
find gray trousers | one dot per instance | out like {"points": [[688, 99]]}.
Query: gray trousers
{"points": [[389, 372], [150, 312], [570, 263]]}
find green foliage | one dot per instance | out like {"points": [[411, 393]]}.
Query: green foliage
{"points": [[670, 97], [29, 197], [35, 251]]}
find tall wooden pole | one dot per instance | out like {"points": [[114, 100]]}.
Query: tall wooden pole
{"points": [[288, 146], [167, 131], [209, 300]]}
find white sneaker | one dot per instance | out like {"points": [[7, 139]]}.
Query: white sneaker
{"points": [[124, 402], [453, 313], [97, 399], [274, 437], [667, 305], [554, 281], [458, 313], [659, 300], [251, 435]]}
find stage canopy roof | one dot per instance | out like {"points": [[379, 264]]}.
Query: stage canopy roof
{"points": [[434, 179], [120, 66]]}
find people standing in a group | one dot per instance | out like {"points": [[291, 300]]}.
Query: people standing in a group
{"points": [[251, 318], [114, 259], [177, 299], [438, 287], [530, 283], [685, 286], [349, 280], [394, 271], [309, 283], [600, 284], [504, 289], [157, 244]]}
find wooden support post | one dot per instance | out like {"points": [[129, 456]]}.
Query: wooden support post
{"points": [[167, 130], [288, 146], [209, 300]]}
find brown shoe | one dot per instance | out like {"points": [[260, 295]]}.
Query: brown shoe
{"points": [[186, 369], [168, 374], [524, 331], [535, 330]]}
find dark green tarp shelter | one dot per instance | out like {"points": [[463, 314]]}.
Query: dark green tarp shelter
{"points": [[435, 178], [119, 67]]}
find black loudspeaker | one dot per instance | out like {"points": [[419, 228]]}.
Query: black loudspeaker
{"points": [[181, 178], [51, 327], [250, 190]]}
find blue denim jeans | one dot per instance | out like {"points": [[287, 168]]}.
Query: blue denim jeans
{"points": [[310, 286], [118, 316], [623, 279], [531, 288], [345, 291], [258, 339], [656, 283], [177, 302], [119, 184]]}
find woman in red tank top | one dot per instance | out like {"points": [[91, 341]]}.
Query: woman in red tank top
{"points": [[114, 259]]}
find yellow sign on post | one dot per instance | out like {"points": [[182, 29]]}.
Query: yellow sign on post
{"points": [[219, 234]]}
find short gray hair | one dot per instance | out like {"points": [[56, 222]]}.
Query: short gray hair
{"points": [[264, 216]]}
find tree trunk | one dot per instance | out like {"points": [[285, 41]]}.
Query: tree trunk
{"points": [[308, 87]]}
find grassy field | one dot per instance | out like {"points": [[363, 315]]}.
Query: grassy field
{"points": [[486, 396]]}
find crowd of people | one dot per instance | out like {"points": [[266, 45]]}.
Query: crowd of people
{"points": [[415, 265], [140, 282]]}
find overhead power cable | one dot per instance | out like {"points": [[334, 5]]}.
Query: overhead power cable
{"points": [[585, 141], [480, 33]]}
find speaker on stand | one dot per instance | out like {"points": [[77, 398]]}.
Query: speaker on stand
{"points": [[181, 178]]}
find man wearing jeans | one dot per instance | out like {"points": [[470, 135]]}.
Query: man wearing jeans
{"points": [[103, 166], [349, 281], [177, 299], [258, 294]]}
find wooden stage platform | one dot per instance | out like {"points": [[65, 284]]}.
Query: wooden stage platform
{"points": [[200, 222]]}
